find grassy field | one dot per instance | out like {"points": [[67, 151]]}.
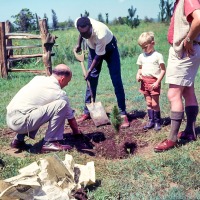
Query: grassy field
{"points": [[171, 175]]}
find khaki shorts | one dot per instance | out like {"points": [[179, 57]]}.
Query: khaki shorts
{"points": [[182, 71], [146, 86]]}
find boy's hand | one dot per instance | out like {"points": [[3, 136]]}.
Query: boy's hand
{"points": [[139, 78], [155, 85]]}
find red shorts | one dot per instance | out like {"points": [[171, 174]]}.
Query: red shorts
{"points": [[146, 86]]}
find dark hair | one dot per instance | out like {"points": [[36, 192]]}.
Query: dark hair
{"points": [[60, 72], [83, 22]]}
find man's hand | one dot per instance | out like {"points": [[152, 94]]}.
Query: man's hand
{"points": [[188, 48], [87, 76], [78, 49]]}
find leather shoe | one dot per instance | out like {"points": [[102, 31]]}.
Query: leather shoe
{"points": [[187, 136], [165, 145], [83, 118], [16, 144], [125, 122], [55, 146]]}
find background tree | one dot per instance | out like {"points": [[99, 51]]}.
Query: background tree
{"points": [[86, 14], [37, 21], [166, 9], [66, 24], [120, 20], [162, 10], [107, 21], [131, 12], [54, 20], [148, 20], [100, 18], [133, 22], [45, 17], [25, 20]]}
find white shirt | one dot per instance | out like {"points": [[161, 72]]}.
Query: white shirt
{"points": [[150, 63], [101, 36], [40, 91]]}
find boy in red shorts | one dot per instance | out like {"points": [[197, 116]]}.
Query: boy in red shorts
{"points": [[150, 73]]}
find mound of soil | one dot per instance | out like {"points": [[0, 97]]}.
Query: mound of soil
{"points": [[100, 141], [104, 142]]}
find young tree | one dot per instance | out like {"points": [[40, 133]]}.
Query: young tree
{"points": [[25, 20], [54, 20]]}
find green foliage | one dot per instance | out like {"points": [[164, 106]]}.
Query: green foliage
{"points": [[25, 20], [107, 21], [133, 21], [100, 18], [115, 119], [54, 20], [47, 19], [86, 14], [166, 9]]}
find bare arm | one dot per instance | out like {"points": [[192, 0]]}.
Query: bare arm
{"points": [[162, 73], [78, 47], [95, 62], [139, 74], [74, 126]]}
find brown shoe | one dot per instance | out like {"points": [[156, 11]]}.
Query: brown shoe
{"points": [[165, 145], [83, 118], [125, 122], [55, 146]]}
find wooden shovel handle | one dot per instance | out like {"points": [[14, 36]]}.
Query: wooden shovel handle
{"points": [[88, 82]]}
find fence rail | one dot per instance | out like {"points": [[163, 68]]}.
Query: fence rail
{"points": [[6, 48]]}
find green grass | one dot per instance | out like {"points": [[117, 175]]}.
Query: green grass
{"points": [[169, 175]]}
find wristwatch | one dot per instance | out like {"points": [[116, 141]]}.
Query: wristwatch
{"points": [[188, 40]]}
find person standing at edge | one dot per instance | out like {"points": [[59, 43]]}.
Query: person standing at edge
{"points": [[40, 101], [102, 46], [183, 64]]}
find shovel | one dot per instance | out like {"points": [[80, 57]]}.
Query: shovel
{"points": [[97, 112]]}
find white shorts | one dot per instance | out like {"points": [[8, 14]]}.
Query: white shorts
{"points": [[182, 71]]}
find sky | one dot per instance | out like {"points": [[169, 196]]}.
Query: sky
{"points": [[71, 9]]}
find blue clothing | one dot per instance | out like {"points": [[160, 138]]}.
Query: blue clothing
{"points": [[113, 62]]}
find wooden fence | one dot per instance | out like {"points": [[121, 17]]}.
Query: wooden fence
{"points": [[6, 48]]}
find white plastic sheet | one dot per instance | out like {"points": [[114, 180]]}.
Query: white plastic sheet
{"points": [[48, 179]]}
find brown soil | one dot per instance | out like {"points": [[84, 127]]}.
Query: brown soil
{"points": [[100, 141]]}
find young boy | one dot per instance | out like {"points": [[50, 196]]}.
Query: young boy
{"points": [[150, 73]]}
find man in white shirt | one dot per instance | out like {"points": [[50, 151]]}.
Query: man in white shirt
{"points": [[42, 100], [102, 46]]}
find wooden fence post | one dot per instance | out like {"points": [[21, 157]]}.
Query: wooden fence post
{"points": [[3, 54], [8, 43], [46, 49]]}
